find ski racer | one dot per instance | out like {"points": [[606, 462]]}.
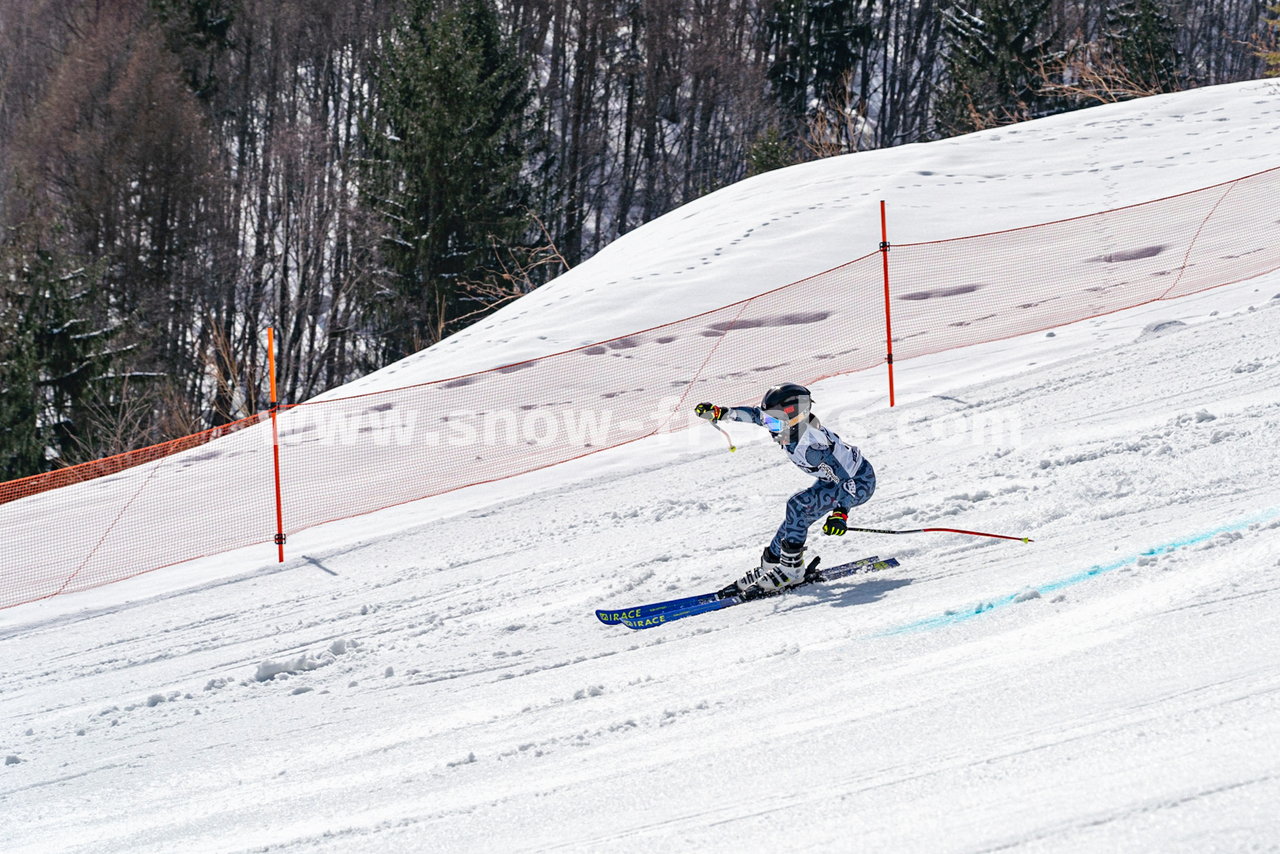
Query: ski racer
{"points": [[845, 479]]}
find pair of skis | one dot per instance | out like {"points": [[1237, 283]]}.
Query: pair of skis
{"points": [[660, 613]]}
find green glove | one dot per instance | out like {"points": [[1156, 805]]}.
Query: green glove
{"points": [[837, 523], [709, 411]]}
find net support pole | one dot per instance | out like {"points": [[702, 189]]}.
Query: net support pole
{"points": [[275, 441], [888, 320]]}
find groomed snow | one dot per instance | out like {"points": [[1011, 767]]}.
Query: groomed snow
{"points": [[432, 678]]}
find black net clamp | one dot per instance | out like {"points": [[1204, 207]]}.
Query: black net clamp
{"points": [[280, 539], [884, 246]]}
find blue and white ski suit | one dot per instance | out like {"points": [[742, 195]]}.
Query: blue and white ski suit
{"points": [[845, 477]]}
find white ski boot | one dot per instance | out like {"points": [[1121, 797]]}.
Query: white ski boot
{"points": [[776, 572]]}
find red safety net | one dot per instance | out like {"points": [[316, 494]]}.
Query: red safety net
{"points": [[348, 456]]}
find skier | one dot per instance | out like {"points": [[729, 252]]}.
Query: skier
{"points": [[845, 480]]}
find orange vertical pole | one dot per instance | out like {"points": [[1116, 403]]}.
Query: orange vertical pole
{"points": [[275, 440], [888, 320]]}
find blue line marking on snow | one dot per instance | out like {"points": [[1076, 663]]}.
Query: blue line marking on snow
{"points": [[953, 617]]}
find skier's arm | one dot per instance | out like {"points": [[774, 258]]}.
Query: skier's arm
{"points": [[839, 461], [835, 462], [745, 414]]}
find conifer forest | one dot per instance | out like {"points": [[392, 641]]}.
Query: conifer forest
{"points": [[370, 176]]}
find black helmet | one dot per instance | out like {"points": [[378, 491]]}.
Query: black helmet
{"points": [[786, 412]]}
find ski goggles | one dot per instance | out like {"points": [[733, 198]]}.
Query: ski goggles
{"points": [[775, 421]]}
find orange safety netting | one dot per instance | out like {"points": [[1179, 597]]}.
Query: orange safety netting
{"points": [[22, 487], [348, 456]]}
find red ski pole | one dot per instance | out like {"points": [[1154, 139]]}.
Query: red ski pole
{"points": [[942, 530]]}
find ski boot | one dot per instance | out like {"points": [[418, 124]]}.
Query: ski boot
{"points": [[775, 573]]}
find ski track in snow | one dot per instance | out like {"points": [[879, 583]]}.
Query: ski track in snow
{"points": [[444, 686]]}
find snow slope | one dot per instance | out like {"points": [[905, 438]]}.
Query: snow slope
{"points": [[786, 225], [431, 678]]}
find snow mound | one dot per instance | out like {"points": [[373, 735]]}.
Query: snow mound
{"points": [[1161, 327], [307, 661]]}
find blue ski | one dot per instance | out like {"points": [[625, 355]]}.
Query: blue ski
{"points": [[616, 617], [662, 617], [657, 613]]}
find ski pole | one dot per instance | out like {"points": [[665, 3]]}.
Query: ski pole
{"points": [[725, 433], [942, 530]]}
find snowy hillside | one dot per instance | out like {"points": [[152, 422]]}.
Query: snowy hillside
{"points": [[432, 678], [785, 225]]}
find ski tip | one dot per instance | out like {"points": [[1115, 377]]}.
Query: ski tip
{"points": [[646, 622], [649, 621]]}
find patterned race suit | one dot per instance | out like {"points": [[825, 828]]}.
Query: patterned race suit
{"points": [[845, 477]]}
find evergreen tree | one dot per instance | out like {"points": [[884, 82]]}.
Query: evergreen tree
{"points": [[1141, 45], [198, 31], [1268, 47], [995, 54], [21, 439], [56, 384], [769, 151], [816, 45], [447, 148]]}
